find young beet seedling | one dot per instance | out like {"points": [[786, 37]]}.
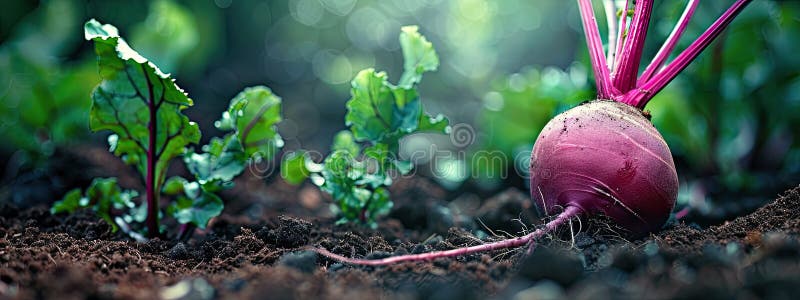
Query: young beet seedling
{"points": [[142, 107], [605, 157], [357, 172]]}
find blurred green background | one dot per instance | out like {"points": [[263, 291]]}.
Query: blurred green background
{"points": [[508, 66]]}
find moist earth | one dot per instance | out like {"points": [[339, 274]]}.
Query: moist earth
{"points": [[253, 252]]}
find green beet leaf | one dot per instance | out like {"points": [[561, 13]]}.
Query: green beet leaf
{"points": [[69, 204], [379, 204], [222, 160], [139, 103], [174, 186], [370, 110], [356, 187], [293, 168], [380, 112], [196, 206], [418, 54], [345, 141], [438, 124], [253, 114], [104, 197]]}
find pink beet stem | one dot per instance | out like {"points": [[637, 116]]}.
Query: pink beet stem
{"points": [[669, 44], [640, 96], [611, 21], [623, 18], [631, 55], [568, 213], [605, 89]]}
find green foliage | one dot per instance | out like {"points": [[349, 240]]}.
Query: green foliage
{"points": [[134, 95], [357, 171], [104, 197], [43, 107], [419, 56], [194, 203], [142, 107], [251, 118], [295, 167], [253, 115], [222, 160], [360, 194], [345, 141], [381, 113]]}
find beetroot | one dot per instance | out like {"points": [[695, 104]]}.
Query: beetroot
{"points": [[605, 157]]}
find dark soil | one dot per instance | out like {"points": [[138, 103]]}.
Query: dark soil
{"points": [[252, 251]]}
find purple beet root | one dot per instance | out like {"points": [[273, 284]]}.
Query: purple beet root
{"points": [[605, 157]]}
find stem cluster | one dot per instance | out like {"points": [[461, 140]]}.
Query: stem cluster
{"points": [[616, 76]]}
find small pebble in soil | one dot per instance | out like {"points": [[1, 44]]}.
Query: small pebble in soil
{"points": [[304, 261], [544, 289], [196, 288], [178, 252]]}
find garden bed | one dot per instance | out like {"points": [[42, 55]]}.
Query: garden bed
{"points": [[252, 209], [251, 251]]}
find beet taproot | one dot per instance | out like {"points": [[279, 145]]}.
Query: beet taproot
{"points": [[605, 157]]}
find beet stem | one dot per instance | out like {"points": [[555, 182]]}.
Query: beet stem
{"points": [[640, 96], [670, 43], [605, 89], [623, 18], [150, 180], [566, 215], [611, 20], [630, 57]]}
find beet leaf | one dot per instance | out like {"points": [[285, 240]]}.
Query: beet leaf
{"points": [[142, 106], [104, 197], [253, 114], [251, 117]]}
